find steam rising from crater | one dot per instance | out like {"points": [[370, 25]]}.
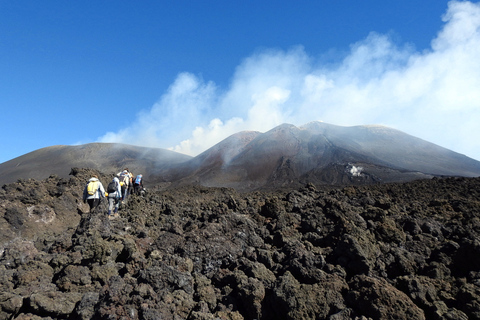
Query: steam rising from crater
{"points": [[356, 171], [431, 94]]}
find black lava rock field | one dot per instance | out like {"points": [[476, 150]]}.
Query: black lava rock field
{"points": [[385, 251]]}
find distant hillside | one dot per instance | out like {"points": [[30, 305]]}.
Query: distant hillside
{"points": [[108, 157], [286, 156]]}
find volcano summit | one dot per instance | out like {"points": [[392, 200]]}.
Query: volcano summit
{"points": [[286, 156]]}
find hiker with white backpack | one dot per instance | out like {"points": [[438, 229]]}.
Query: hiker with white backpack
{"points": [[114, 194], [93, 193]]}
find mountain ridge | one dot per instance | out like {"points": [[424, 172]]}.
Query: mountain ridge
{"points": [[286, 155]]}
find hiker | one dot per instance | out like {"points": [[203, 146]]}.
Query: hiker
{"points": [[114, 192], [138, 184], [125, 179], [130, 184], [93, 193]]}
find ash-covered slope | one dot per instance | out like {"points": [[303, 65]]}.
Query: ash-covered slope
{"points": [[320, 153], [107, 157], [396, 149], [388, 251]]}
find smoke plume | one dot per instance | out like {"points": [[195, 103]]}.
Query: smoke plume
{"points": [[433, 94]]}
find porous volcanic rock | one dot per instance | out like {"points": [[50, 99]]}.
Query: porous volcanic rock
{"points": [[387, 251]]}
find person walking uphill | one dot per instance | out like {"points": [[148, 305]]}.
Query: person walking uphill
{"points": [[93, 193], [138, 184], [114, 192], [125, 178]]}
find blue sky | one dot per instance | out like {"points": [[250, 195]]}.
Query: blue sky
{"points": [[184, 75]]}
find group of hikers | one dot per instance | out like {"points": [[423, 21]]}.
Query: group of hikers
{"points": [[122, 185]]}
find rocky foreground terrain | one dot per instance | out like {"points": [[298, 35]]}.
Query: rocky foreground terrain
{"points": [[389, 251]]}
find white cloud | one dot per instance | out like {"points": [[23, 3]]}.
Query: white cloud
{"points": [[433, 95], [185, 106]]}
